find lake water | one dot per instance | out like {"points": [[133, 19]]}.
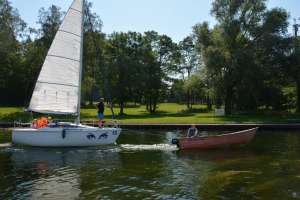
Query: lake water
{"points": [[145, 166]]}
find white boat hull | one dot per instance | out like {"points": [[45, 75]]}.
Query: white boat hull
{"points": [[79, 136]]}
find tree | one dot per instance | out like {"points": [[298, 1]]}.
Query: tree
{"points": [[190, 62], [93, 58], [293, 69], [208, 44], [49, 21], [156, 54], [245, 51], [237, 20], [12, 28], [123, 60], [195, 86], [176, 92], [271, 48]]}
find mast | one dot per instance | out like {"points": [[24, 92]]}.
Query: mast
{"points": [[81, 65]]}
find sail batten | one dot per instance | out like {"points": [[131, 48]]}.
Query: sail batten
{"points": [[75, 10], [63, 57], [57, 89], [59, 84], [70, 33]]}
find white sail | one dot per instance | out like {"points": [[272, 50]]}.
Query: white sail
{"points": [[57, 90]]}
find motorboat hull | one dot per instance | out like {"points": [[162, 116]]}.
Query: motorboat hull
{"points": [[80, 136], [217, 141]]}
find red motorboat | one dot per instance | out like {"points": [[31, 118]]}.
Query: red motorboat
{"points": [[216, 141]]}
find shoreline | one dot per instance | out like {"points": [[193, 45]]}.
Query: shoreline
{"points": [[175, 126]]}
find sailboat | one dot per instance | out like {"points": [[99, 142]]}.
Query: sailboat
{"points": [[58, 91]]}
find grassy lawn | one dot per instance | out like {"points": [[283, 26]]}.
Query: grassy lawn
{"points": [[5, 136], [167, 113]]}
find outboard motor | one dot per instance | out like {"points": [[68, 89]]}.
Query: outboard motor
{"points": [[175, 141]]}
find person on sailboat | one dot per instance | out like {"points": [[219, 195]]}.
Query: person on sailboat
{"points": [[101, 108], [192, 132], [50, 120], [34, 124]]}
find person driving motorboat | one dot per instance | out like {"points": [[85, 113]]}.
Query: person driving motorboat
{"points": [[192, 132]]}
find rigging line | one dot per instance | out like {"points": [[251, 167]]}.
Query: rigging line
{"points": [[105, 82]]}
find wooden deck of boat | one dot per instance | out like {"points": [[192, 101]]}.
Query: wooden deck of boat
{"points": [[229, 127]]}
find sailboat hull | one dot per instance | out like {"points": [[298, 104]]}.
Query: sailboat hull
{"points": [[81, 136]]}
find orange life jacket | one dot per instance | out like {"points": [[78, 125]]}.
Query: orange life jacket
{"points": [[42, 122]]}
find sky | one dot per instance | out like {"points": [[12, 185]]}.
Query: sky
{"points": [[174, 18]]}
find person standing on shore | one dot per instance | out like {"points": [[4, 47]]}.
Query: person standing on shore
{"points": [[101, 108]]}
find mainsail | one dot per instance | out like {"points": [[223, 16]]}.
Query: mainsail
{"points": [[57, 90]]}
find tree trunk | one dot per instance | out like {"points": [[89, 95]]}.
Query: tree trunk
{"points": [[121, 108], [150, 105], [209, 103], [90, 103], [298, 95], [188, 101], [91, 99], [154, 106], [228, 101], [191, 100]]}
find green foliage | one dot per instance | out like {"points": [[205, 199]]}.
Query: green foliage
{"points": [[293, 69], [93, 57], [49, 21], [245, 62], [176, 92], [137, 66], [189, 63], [12, 28], [246, 52], [194, 87]]}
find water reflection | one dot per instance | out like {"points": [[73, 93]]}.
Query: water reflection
{"points": [[214, 155], [54, 173], [74, 157]]}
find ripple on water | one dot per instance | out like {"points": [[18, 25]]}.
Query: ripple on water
{"points": [[155, 171], [62, 185]]}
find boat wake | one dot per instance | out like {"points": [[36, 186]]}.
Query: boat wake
{"points": [[145, 147], [5, 145]]}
